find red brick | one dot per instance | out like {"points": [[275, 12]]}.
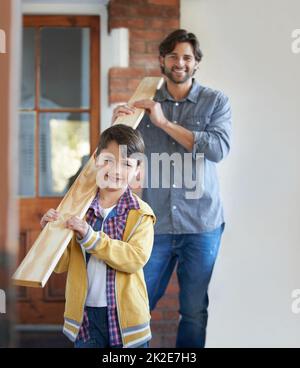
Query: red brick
{"points": [[164, 2], [157, 11], [162, 23], [152, 48], [120, 97], [127, 72], [127, 23], [153, 72], [147, 35], [157, 315], [115, 10], [168, 301], [138, 47], [172, 289], [133, 83], [126, 2], [164, 327], [118, 84], [144, 60], [156, 341], [138, 8], [170, 315], [168, 341]]}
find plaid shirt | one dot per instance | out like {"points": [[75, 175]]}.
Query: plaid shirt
{"points": [[113, 226]]}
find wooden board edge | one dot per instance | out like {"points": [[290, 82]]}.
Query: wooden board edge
{"points": [[27, 283]]}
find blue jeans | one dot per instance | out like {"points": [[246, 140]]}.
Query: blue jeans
{"points": [[195, 256], [98, 330]]}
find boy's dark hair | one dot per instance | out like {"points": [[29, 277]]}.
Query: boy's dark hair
{"points": [[180, 35], [122, 135]]}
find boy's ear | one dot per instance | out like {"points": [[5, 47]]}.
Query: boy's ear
{"points": [[136, 182]]}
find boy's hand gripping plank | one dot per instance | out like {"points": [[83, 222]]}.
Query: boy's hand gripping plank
{"points": [[39, 263]]}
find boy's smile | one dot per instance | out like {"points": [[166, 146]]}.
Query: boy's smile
{"points": [[115, 169]]}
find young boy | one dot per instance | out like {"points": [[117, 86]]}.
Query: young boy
{"points": [[106, 296]]}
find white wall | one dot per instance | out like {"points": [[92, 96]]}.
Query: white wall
{"points": [[247, 54]]}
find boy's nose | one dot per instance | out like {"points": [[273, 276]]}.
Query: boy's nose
{"points": [[115, 169]]}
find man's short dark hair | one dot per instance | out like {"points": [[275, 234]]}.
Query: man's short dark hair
{"points": [[122, 135], [180, 35]]}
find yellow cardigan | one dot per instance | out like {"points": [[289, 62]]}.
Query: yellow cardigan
{"points": [[128, 257]]}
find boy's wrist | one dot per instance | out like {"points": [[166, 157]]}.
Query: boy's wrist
{"points": [[85, 237]]}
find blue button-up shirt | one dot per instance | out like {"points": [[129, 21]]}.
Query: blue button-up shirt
{"points": [[206, 113]]}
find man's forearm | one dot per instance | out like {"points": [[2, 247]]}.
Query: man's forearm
{"points": [[179, 134]]}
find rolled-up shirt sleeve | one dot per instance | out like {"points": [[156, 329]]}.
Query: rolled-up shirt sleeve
{"points": [[214, 140]]}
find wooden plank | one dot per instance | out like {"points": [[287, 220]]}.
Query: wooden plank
{"points": [[39, 263], [143, 91]]}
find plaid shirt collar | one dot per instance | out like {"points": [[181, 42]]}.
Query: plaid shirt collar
{"points": [[125, 203]]}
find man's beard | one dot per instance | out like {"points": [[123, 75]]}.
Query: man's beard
{"points": [[169, 73]]}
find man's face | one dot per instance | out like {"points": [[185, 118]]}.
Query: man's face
{"points": [[180, 65], [115, 170]]}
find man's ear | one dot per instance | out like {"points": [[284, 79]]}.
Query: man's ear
{"points": [[161, 60]]}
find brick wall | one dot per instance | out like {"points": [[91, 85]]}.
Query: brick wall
{"points": [[148, 21], [165, 317]]}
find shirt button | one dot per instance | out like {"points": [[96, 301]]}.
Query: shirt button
{"points": [[198, 122], [173, 142], [148, 125], [175, 122], [174, 185], [176, 104], [173, 163], [174, 207]]}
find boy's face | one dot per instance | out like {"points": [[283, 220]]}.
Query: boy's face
{"points": [[115, 171]]}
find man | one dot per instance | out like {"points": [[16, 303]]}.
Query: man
{"points": [[184, 117]]}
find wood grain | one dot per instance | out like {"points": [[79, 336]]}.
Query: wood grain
{"points": [[39, 263], [143, 91]]}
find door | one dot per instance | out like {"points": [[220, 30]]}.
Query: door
{"points": [[59, 128]]}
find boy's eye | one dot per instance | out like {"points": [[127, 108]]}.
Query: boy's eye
{"points": [[127, 164]]}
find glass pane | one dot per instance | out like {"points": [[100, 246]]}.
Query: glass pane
{"points": [[65, 72], [64, 150], [27, 154], [28, 66]]}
